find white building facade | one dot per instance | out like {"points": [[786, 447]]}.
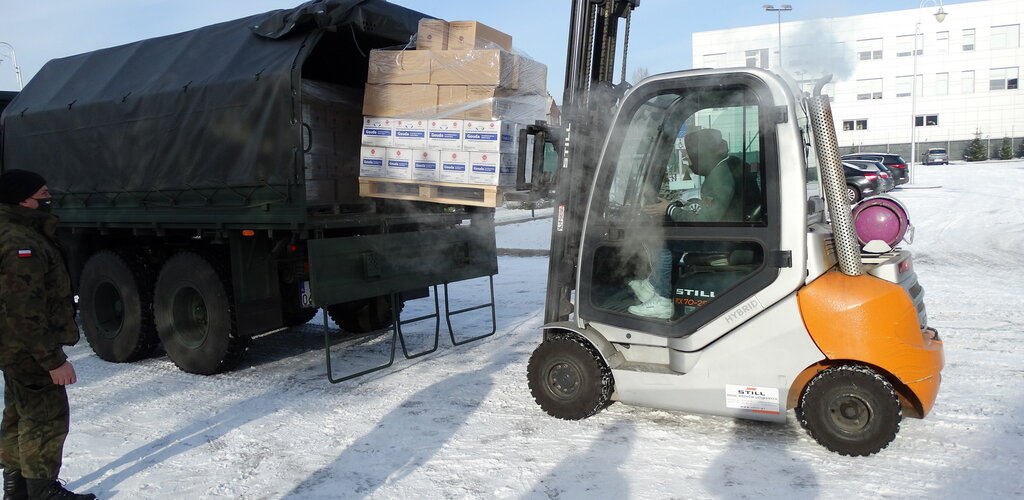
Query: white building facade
{"points": [[967, 72]]}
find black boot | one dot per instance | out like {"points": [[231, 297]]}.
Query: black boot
{"points": [[48, 489], [14, 485]]}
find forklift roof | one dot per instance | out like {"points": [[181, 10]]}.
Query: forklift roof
{"points": [[212, 107]]}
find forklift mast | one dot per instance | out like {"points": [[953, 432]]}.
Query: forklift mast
{"points": [[588, 105]]}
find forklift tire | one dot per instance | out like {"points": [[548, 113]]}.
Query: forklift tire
{"points": [[851, 410], [568, 378], [116, 304], [194, 314], [362, 316]]}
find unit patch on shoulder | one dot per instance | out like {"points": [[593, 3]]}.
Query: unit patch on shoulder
{"points": [[24, 253]]}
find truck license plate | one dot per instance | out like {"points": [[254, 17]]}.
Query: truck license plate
{"points": [[305, 294]]}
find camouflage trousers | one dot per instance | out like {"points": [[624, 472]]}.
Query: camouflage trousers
{"points": [[35, 423]]}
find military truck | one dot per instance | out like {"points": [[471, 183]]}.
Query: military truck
{"points": [[207, 185]]}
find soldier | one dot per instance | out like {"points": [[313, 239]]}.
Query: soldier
{"points": [[36, 320]]}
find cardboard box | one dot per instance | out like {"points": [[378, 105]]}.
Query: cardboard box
{"points": [[454, 165], [476, 35], [399, 163], [493, 169], [444, 134], [426, 165], [473, 67], [377, 131], [411, 133], [432, 34], [394, 100], [489, 136], [399, 66], [371, 161]]}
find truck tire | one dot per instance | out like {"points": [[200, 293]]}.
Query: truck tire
{"points": [[851, 410], [116, 306], [568, 378], [362, 316], [194, 315]]}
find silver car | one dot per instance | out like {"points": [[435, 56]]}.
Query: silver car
{"points": [[936, 156]]}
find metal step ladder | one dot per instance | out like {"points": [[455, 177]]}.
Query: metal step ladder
{"points": [[398, 336]]}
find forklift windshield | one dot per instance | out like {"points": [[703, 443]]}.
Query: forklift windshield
{"points": [[682, 190]]}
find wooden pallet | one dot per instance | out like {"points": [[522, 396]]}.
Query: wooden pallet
{"points": [[448, 193]]}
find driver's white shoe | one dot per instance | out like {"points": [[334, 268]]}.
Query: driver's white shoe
{"points": [[642, 289], [657, 307]]}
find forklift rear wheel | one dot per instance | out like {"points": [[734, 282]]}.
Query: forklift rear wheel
{"points": [[851, 410], [194, 314], [116, 295], [568, 378]]}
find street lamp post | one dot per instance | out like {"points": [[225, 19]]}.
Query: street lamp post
{"points": [[14, 60], [778, 10], [940, 16]]}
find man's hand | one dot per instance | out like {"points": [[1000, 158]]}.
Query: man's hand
{"points": [[659, 208], [64, 374]]}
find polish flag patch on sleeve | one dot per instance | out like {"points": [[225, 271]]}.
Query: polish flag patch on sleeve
{"points": [[24, 253]]}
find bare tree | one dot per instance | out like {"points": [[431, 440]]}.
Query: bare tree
{"points": [[639, 74]]}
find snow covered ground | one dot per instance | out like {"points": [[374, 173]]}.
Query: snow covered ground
{"points": [[461, 423]]}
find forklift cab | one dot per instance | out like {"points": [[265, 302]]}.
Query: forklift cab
{"points": [[712, 215]]}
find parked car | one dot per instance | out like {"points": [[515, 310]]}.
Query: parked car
{"points": [[861, 182], [886, 179], [936, 156], [895, 163]]}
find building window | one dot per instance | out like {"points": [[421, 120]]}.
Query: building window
{"points": [[869, 89], [967, 82], [941, 83], [1005, 37], [905, 45], [1002, 79], [714, 60], [926, 120], [757, 58], [855, 125], [903, 85], [968, 40], [869, 49], [942, 43]]}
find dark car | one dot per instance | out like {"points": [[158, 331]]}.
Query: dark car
{"points": [[886, 177], [895, 163], [861, 182]]}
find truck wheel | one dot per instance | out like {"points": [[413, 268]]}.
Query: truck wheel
{"points": [[362, 316], [116, 303], [195, 315], [568, 378], [851, 410]]}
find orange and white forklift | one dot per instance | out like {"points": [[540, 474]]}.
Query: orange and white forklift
{"points": [[774, 306]]}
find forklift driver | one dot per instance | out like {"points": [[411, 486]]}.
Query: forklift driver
{"points": [[709, 157]]}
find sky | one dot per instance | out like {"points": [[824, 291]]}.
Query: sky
{"points": [[659, 36]]}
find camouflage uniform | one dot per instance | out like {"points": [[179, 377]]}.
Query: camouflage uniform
{"points": [[36, 319]]}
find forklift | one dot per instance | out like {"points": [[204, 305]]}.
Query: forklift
{"points": [[774, 306]]}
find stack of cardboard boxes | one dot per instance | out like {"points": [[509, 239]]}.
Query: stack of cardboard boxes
{"points": [[450, 110]]}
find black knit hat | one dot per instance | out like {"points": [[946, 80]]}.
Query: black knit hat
{"points": [[17, 186]]}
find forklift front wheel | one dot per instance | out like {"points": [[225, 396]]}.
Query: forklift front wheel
{"points": [[851, 410], [568, 378]]}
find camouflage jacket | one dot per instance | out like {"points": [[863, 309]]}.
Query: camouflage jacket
{"points": [[37, 315]]}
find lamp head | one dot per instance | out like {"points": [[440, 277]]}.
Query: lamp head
{"points": [[940, 15]]}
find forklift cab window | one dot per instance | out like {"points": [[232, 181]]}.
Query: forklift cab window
{"points": [[685, 187]]}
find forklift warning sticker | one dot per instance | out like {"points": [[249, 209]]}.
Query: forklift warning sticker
{"points": [[755, 399]]}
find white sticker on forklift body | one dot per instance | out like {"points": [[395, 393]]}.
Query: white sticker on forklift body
{"points": [[755, 399]]}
